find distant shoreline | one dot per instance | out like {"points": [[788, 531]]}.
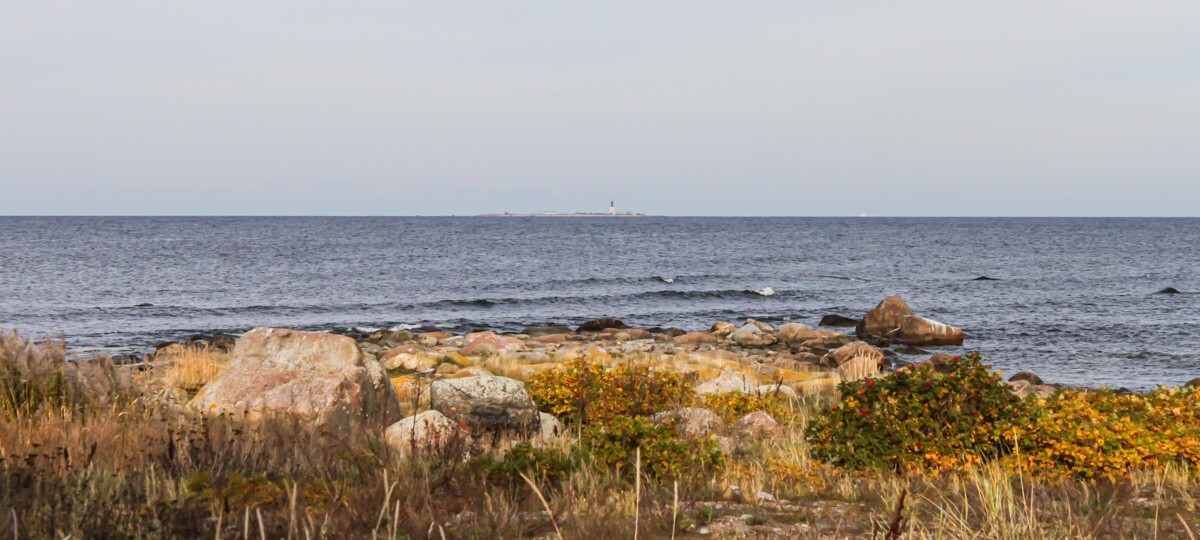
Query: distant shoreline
{"points": [[554, 214]]}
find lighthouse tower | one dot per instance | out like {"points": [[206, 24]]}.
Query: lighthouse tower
{"points": [[612, 208]]}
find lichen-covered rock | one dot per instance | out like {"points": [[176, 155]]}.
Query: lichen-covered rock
{"points": [[425, 434], [486, 404], [321, 378]]}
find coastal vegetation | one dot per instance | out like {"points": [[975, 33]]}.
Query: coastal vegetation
{"points": [[693, 441]]}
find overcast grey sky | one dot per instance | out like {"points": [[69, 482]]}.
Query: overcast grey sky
{"points": [[683, 108]]}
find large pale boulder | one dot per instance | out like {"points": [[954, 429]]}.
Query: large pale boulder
{"points": [[486, 404], [323, 379], [750, 335], [428, 433], [916, 330]]}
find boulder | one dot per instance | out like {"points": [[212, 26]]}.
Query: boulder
{"points": [[1169, 290], [1027, 376], [751, 335], [697, 338], [916, 330], [539, 331], [838, 320], [599, 325], [490, 343], [426, 434], [549, 426], [893, 319], [884, 320], [321, 378], [722, 329], [756, 424], [798, 333], [848, 352], [727, 381], [1194, 383], [486, 404], [691, 421], [775, 389], [761, 325]]}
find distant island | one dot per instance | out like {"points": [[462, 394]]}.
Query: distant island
{"points": [[612, 212]]}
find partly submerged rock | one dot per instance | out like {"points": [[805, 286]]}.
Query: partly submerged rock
{"points": [[320, 378], [917, 330], [1169, 290], [599, 325], [1027, 376], [883, 321], [838, 320]]}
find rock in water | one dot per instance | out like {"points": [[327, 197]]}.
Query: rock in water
{"points": [[486, 404], [893, 319], [599, 325], [884, 320], [1027, 376], [1169, 290], [425, 434], [985, 278], [320, 378], [916, 330], [838, 320]]}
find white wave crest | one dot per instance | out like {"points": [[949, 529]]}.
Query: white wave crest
{"points": [[766, 291]]}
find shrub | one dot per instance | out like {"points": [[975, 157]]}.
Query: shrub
{"points": [[546, 464], [919, 419], [586, 392], [732, 406], [1099, 433], [665, 453]]}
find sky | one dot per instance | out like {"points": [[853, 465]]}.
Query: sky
{"points": [[1023, 108]]}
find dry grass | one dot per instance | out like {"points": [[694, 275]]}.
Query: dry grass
{"points": [[188, 367], [82, 457]]}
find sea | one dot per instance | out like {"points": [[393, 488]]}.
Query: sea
{"points": [[1074, 300]]}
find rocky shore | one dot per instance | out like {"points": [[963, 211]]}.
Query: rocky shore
{"points": [[434, 385]]}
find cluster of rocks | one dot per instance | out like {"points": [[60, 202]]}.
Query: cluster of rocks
{"points": [[341, 383]]}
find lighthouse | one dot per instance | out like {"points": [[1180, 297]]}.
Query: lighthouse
{"points": [[612, 208]]}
